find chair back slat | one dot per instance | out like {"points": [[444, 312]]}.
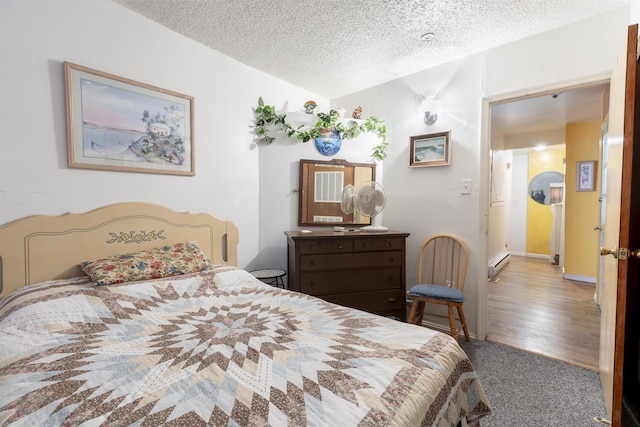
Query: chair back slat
{"points": [[443, 261]]}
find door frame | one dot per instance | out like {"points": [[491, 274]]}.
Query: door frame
{"points": [[484, 198]]}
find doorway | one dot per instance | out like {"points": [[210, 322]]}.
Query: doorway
{"points": [[518, 125]]}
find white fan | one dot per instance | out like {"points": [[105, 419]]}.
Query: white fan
{"points": [[368, 200], [346, 201]]}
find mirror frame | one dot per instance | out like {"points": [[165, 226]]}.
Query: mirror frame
{"points": [[303, 213]]}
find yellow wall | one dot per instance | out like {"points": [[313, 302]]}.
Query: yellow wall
{"points": [[582, 208], [539, 216]]}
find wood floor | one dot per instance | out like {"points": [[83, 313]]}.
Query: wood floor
{"points": [[533, 308]]}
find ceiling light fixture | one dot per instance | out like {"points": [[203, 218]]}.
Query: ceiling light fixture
{"points": [[427, 37]]}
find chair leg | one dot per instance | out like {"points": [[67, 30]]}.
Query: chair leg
{"points": [[421, 314], [464, 323], [452, 322], [412, 312], [416, 313]]}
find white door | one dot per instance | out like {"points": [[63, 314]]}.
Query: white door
{"points": [[603, 203], [621, 204]]}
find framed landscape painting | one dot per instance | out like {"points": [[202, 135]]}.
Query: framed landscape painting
{"points": [[430, 150], [118, 124]]}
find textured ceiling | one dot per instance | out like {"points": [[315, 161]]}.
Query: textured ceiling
{"points": [[337, 47]]}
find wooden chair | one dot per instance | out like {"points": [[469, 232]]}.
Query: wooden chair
{"points": [[442, 268]]}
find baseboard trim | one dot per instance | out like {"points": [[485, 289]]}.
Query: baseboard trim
{"points": [[579, 278], [541, 256]]}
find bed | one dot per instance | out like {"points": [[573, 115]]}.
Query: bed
{"points": [[213, 346]]}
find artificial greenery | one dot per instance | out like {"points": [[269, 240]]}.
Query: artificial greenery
{"points": [[266, 117]]}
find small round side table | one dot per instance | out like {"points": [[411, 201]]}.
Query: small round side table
{"points": [[270, 276]]}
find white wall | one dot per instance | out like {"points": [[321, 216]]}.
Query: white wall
{"points": [[37, 36], [428, 200], [500, 208], [517, 226]]}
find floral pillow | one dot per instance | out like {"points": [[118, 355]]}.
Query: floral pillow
{"points": [[166, 261]]}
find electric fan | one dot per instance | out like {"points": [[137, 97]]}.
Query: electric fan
{"points": [[368, 201], [346, 201]]}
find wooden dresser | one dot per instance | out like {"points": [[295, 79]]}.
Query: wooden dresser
{"points": [[363, 270]]}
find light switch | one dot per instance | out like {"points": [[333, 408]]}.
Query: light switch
{"points": [[466, 186]]}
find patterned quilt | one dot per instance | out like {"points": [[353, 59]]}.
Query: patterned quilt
{"points": [[221, 348]]}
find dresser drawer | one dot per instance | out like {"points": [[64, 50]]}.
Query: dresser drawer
{"points": [[373, 302], [385, 244], [325, 246], [350, 260], [345, 281]]}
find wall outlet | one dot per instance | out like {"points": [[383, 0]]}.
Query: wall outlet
{"points": [[466, 186]]}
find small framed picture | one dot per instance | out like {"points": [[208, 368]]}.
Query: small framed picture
{"points": [[432, 149], [118, 124], [586, 176]]}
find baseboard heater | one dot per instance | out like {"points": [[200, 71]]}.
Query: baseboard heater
{"points": [[498, 264]]}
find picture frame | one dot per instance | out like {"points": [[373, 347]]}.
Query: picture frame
{"points": [[432, 149], [118, 124], [586, 176]]}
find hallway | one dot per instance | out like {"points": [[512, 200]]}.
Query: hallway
{"points": [[531, 307]]}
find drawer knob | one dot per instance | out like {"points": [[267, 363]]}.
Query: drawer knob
{"points": [[339, 246], [392, 299], [392, 243], [390, 278], [391, 259]]}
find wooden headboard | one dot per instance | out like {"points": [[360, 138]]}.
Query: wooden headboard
{"points": [[42, 247]]}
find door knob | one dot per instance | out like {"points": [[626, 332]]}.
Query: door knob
{"points": [[605, 251], [597, 227]]}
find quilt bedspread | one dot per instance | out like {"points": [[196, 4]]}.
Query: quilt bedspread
{"points": [[221, 348]]}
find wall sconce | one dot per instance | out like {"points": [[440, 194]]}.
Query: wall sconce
{"points": [[430, 117]]}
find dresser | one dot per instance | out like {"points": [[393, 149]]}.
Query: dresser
{"points": [[355, 269]]}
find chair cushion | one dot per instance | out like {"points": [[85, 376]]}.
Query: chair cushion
{"points": [[444, 293]]}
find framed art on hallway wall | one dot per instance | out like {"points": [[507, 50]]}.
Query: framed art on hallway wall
{"points": [[586, 176], [118, 124]]}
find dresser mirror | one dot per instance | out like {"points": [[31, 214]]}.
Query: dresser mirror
{"points": [[321, 185]]}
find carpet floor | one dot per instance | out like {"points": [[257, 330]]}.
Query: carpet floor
{"points": [[525, 389]]}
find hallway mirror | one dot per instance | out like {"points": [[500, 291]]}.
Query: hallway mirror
{"points": [[547, 188]]}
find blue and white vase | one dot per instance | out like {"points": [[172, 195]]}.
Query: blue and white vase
{"points": [[329, 142]]}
